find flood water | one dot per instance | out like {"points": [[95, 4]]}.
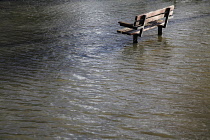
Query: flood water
{"points": [[65, 73]]}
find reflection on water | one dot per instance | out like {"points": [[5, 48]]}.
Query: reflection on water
{"points": [[67, 74]]}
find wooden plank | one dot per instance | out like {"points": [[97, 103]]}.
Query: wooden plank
{"points": [[154, 18], [152, 25], [133, 32], [171, 13], [160, 11], [161, 16], [124, 30], [148, 28], [128, 31], [154, 13]]}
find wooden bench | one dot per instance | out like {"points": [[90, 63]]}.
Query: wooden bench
{"points": [[147, 21]]}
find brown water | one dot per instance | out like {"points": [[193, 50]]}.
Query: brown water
{"points": [[65, 73]]}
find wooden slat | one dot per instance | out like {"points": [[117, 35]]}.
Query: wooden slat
{"points": [[124, 30], [160, 11], [128, 31], [153, 25], [133, 32], [154, 13], [171, 13], [157, 17], [154, 18]]}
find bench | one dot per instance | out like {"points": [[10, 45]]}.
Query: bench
{"points": [[147, 21]]}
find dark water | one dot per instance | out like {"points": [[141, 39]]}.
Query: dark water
{"points": [[66, 74]]}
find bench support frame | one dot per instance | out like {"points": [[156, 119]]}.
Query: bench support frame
{"points": [[160, 30], [142, 23], [135, 38], [160, 27]]}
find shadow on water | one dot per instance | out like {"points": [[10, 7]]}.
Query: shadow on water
{"points": [[151, 51], [147, 41]]}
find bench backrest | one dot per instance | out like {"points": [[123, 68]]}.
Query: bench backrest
{"points": [[141, 20]]}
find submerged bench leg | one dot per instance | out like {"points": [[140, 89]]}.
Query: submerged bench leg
{"points": [[135, 38], [160, 32]]}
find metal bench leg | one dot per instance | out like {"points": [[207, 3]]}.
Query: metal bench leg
{"points": [[135, 38], [160, 32]]}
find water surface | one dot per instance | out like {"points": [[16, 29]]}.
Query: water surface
{"points": [[65, 73]]}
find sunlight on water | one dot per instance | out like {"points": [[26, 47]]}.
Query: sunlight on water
{"points": [[67, 74]]}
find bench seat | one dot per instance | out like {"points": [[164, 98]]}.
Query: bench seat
{"points": [[131, 31]]}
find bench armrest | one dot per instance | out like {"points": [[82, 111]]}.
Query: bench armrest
{"points": [[126, 24], [130, 25]]}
